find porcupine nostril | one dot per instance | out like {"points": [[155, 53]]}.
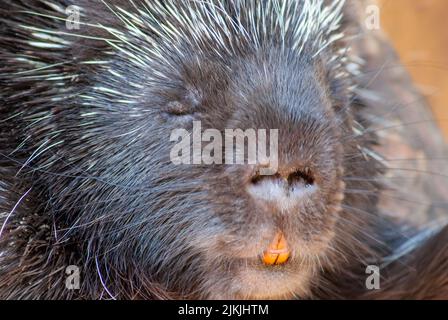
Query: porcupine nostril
{"points": [[302, 177], [285, 188]]}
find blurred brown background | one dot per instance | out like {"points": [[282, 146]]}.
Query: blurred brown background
{"points": [[419, 32]]}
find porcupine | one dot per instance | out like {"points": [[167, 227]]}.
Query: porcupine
{"points": [[86, 177]]}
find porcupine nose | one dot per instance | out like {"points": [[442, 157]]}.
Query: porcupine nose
{"points": [[285, 188]]}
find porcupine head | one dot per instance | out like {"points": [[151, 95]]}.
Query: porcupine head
{"points": [[111, 93]]}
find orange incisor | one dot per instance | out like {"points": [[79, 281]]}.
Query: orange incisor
{"points": [[278, 251]]}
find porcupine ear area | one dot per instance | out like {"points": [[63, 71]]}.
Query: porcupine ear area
{"points": [[26, 230], [42, 72], [29, 268]]}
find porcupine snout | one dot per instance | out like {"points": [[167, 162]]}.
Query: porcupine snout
{"points": [[301, 154]]}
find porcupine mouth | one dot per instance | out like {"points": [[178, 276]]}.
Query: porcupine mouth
{"points": [[258, 276], [277, 273], [255, 280]]}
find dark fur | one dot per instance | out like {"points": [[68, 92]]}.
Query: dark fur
{"points": [[105, 196]]}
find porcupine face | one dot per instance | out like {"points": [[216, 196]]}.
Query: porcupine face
{"points": [[198, 230], [300, 201]]}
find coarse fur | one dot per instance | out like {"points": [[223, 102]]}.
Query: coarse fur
{"points": [[85, 173]]}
